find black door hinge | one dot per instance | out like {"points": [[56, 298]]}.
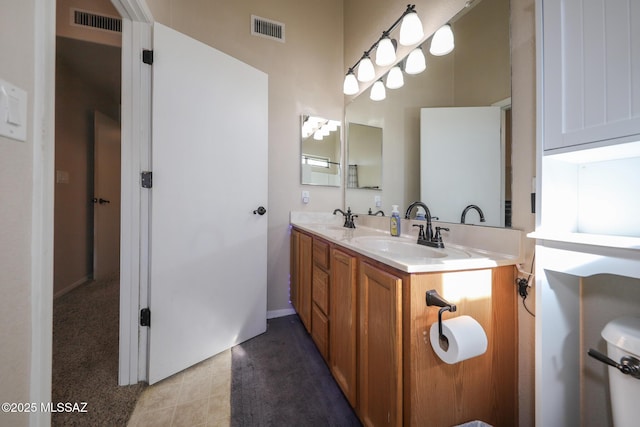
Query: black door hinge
{"points": [[147, 56], [145, 317], [147, 179]]}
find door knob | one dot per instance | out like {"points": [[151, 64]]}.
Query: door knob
{"points": [[103, 201], [260, 211]]}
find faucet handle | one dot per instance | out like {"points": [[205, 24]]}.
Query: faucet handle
{"points": [[438, 236], [421, 235]]}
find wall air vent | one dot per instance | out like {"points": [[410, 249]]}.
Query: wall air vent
{"points": [[92, 20], [267, 28]]}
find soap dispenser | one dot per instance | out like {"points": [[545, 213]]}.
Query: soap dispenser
{"points": [[395, 221]]}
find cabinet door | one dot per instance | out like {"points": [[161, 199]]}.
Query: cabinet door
{"points": [[304, 279], [591, 72], [343, 323], [380, 352], [294, 267]]}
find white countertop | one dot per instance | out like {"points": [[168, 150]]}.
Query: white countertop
{"points": [[403, 253]]}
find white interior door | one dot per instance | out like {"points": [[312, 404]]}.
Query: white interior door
{"points": [[466, 140], [106, 193], [208, 249]]}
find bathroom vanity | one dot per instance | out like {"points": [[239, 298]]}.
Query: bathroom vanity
{"points": [[361, 295]]}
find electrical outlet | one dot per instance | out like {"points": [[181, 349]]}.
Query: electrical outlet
{"points": [[305, 197], [378, 201]]}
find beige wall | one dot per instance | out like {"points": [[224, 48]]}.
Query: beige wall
{"points": [[305, 76], [16, 186], [76, 100]]}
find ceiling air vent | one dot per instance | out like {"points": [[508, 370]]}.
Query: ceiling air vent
{"points": [[267, 28], [92, 20]]}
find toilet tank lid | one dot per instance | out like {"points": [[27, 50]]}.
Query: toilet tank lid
{"points": [[624, 333]]}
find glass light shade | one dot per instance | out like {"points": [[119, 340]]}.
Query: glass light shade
{"points": [[442, 41], [366, 72], [317, 135], [411, 29], [350, 86], [385, 52], [378, 92], [416, 62], [395, 79]]}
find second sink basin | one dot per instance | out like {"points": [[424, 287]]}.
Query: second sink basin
{"points": [[402, 248]]}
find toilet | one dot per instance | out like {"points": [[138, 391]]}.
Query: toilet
{"points": [[623, 339]]}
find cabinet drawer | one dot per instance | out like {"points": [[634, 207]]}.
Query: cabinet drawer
{"points": [[321, 253], [320, 290], [320, 331]]}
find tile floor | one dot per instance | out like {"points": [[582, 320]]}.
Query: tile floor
{"points": [[198, 397]]}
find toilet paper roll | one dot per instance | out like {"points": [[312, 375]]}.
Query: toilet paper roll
{"points": [[466, 338]]}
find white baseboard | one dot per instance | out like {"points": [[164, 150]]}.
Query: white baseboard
{"points": [[280, 313], [71, 287]]}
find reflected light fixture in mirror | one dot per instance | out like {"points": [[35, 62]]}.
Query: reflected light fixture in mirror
{"points": [[416, 62], [411, 32], [442, 42], [395, 79], [378, 93]]}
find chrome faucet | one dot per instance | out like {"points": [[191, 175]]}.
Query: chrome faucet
{"points": [[467, 209], [348, 217], [428, 234]]}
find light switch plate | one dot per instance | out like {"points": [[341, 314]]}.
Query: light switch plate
{"points": [[305, 197], [13, 111]]}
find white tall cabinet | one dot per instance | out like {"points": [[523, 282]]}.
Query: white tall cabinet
{"points": [[590, 72], [588, 173]]}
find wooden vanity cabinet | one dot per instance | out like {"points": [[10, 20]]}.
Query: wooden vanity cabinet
{"points": [[320, 297], [380, 352], [301, 275], [481, 388], [371, 323], [343, 323]]}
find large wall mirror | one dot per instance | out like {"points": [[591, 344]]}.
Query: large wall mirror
{"points": [[320, 151], [476, 74], [364, 157]]}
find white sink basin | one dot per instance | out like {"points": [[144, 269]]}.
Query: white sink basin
{"points": [[404, 249]]}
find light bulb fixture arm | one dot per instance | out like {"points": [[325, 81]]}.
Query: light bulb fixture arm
{"points": [[411, 8]]}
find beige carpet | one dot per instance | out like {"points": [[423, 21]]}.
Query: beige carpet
{"points": [[85, 357]]}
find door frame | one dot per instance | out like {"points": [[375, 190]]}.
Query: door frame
{"points": [[136, 145], [135, 157]]}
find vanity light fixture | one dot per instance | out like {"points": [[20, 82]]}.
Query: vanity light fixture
{"points": [[411, 32], [366, 72], [350, 86], [411, 29], [442, 41], [416, 62], [378, 92], [395, 78], [386, 51]]}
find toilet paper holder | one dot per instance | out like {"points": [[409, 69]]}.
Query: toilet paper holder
{"points": [[433, 298]]}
